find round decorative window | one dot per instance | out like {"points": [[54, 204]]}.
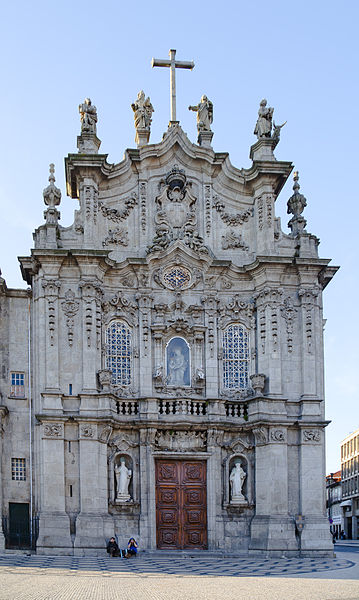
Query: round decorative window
{"points": [[176, 277]]}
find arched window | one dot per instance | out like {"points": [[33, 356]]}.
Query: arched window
{"points": [[118, 352], [235, 357]]}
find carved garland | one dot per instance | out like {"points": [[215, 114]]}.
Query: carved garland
{"points": [[231, 220], [118, 215]]}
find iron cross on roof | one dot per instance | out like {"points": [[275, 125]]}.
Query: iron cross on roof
{"points": [[173, 64]]}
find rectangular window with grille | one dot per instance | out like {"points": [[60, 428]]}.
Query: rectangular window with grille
{"points": [[18, 469], [17, 385]]}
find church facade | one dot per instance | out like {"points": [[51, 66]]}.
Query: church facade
{"points": [[162, 376]]}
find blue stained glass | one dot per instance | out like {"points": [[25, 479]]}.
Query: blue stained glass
{"points": [[118, 352], [235, 357]]}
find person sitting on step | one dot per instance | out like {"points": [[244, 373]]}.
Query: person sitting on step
{"points": [[112, 547], [132, 548]]}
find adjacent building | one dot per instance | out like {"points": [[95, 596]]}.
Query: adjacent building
{"points": [[349, 453], [162, 377], [334, 501]]}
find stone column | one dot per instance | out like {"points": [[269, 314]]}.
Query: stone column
{"points": [[211, 347], [91, 334], [145, 352], [54, 525], [215, 528], [3, 413], [91, 522], [315, 536], [51, 353], [269, 333], [264, 218], [147, 490], [89, 207], [272, 529]]}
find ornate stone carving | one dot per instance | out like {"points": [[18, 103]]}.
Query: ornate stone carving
{"points": [[204, 110], [233, 240], [311, 435], [236, 308], [52, 198], [260, 435], [87, 431], [231, 220], [121, 214], [90, 199], [308, 299], [258, 383], [181, 441], [51, 288], [143, 201], [263, 126], [278, 435], [175, 216], [70, 306], [207, 202], [105, 433], [53, 430], [105, 379], [295, 206], [116, 237], [92, 295], [288, 313]]}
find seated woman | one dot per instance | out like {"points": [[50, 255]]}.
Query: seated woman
{"points": [[112, 547], [132, 547]]}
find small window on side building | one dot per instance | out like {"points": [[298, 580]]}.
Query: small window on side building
{"points": [[17, 384], [18, 469]]}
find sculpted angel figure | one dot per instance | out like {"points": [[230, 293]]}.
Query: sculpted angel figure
{"points": [[263, 126], [204, 110], [236, 480], [143, 110], [88, 114]]}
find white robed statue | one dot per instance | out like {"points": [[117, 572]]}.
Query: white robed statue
{"points": [[123, 477], [236, 480]]}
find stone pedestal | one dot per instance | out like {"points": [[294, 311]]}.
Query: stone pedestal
{"points": [[263, 149], [88, 143], [142, 136], [205, 138], [54, 534]]}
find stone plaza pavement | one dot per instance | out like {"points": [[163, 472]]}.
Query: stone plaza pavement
{"points": [[179, 577]]}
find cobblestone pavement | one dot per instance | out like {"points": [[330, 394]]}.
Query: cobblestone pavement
{"points": [[165, 578]]}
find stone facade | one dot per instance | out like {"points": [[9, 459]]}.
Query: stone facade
{"points": [[173, 320]]}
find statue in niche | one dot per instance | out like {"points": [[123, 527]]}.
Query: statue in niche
{"points": [[263, 126], [143, 110], [236, 480], [204, 110], [88, 114], [123, 478], [178, 363]]}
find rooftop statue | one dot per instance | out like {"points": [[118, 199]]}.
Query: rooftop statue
{"points": [[263, 126], [88, 114], [143, 110], [204, 110]]}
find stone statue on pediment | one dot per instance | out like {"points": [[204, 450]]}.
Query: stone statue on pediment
{"points": [[204, 110], [263, 126], [142, 109], [88, 114]]}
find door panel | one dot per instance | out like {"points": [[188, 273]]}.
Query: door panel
{"points": [[181, 504]]}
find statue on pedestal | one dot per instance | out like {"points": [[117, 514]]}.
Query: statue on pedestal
{"points": [[88, 114], [123, 477], [143, 110], [236, 480], [204, 110], [263, 126]]}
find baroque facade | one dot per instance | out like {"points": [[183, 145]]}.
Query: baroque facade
{"points": [[162, 377]]}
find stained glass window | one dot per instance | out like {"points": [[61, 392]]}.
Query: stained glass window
{"points": [[118, 352], [235, 357], [177, 277]]}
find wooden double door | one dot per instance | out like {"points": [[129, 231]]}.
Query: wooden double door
{"points": [[181, 504]]}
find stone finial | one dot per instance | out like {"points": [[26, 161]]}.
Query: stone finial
{"points": [[52, 194], [204, 110], [295, 206], [88, 142], [143, 110]]}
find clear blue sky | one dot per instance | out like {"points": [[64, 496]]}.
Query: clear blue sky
{"points": [[301, 56]]}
